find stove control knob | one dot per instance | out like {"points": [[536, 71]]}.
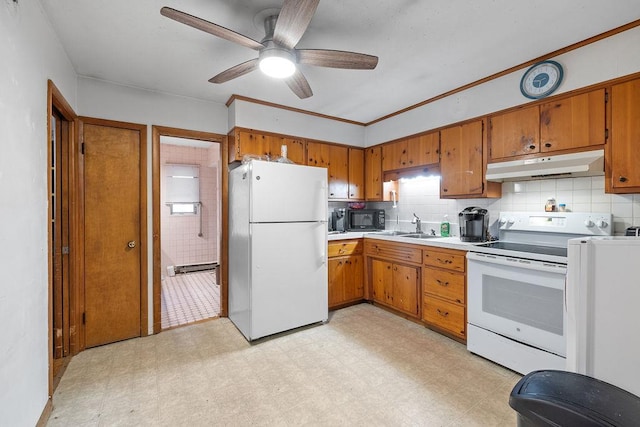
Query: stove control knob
{"points": [[588, 223], [601, 223]]}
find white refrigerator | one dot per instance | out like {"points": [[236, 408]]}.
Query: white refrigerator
{"points": [[277, 247], [603, 300]]}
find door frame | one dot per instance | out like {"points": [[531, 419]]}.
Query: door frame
{"points": [[144, 234], [157, 132], [55, 100]]}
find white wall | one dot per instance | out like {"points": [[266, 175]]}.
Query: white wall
{"points": [[257, 116], [30, 54], [104, 100], [597, 62]]}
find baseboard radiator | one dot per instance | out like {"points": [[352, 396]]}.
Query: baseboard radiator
{"points": [[195, 267]]}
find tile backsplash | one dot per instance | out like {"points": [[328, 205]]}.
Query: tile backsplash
{"points": [[421, 196]]}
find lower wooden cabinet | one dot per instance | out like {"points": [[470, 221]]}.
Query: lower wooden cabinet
{"points": [[444, 291], [346, 272], [393, 280]]}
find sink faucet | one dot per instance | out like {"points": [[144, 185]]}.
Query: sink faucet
{"points": [[417, 222]]}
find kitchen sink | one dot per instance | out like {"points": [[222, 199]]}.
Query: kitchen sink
{"points": [[392, 233], [420, 235]]}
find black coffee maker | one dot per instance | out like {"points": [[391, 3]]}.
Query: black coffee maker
{"points": [[474, 224]]}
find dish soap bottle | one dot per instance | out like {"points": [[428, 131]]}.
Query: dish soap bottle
{"points": [[445, 226]]}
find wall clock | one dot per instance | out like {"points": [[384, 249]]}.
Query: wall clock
{"points": [[541, 80]]}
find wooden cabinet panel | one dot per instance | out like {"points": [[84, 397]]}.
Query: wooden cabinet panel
{"points": [[442, 258], [373, 173], [406, 288], [624, 150], [356, 174], [336, 159], [514, 133], [263, 144], [425, 149], [344, 247], [354, 278], [336, 272], [394, 251], [444, 284], [574, 122], [395, 155], [461, 163], [445, 315], [382, 281]]}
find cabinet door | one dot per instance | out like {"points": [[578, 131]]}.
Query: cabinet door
{"points": [[424, 149], [461, 166], [406, 288], [356, 174], [335, 158], [295, 148], [336, 271], [251, 143], [625, 137], [515, 133], [575, 122], [354, 278], [373, 173], [382, 281], [395, 156]]}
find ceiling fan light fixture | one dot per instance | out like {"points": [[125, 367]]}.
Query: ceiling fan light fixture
{"points": [[277, 62]]}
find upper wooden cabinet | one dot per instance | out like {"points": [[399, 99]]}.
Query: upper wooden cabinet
{"points": [[462, 163], [264, 144], [623, 153], [373, 173], [411, 152], [356, 174], [575, 122], [336, 159], [515, 133]]}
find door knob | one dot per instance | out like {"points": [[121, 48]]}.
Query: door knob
{"points": [[132, 244]]}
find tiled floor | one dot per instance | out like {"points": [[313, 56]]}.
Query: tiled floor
{"points": [[189, 297], [364, 367]]}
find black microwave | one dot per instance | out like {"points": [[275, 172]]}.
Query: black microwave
{"points": [[365, 219]]}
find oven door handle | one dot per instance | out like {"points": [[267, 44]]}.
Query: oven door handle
{"points": [[551, 267]]}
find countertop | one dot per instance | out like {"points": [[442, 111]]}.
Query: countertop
{"points": [[443, 242]]}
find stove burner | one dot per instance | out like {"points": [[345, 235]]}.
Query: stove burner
{"points": [[523, 247]]}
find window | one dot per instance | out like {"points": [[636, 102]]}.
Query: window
{"points": [[182, 188]]}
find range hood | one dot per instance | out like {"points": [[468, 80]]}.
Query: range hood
{"points": [[586, 163]]}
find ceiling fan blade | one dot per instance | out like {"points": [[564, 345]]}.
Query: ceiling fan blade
{"points": [[337, 59], [211, 28], [299, 85], [235, 71], [293, 20]]}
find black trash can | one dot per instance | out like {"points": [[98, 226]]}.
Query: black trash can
{"points": [[565, 399]]}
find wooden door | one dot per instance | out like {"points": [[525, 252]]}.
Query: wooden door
{"points": [[382, 281], [395, 155], [625, 134], [373, 173], [406, 287], [354, 278], [336, 269], [295, 148], [114, 234], [574, 122], [356, 174], [336, 159], [461, 160], [424, 149], [514, 133]]}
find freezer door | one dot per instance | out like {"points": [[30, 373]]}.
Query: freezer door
{"points": [[288, 276], [282, 192]]}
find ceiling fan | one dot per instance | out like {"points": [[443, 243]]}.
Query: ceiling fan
{"points": [[277, 55]]}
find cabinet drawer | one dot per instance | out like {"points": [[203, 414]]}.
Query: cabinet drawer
{"points": [[344, 247], [444, 315], [394, 251], [444, 284], [450, 260]]}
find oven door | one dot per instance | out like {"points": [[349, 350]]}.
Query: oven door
{"points": [[519, 299]]}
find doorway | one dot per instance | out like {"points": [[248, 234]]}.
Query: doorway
{"points": [[187, 187]]}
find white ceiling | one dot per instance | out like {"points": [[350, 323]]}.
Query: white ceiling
{"points": [[426, 47]]}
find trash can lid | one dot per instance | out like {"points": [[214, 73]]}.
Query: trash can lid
{"points": [[569, 399]]}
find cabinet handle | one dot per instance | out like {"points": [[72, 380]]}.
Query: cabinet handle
{"points": [[532, 147], [548, 144], [442, 313], [444, 190], [444, 261], [622, 179], [441, 283]]}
